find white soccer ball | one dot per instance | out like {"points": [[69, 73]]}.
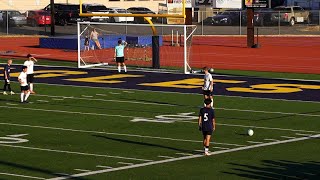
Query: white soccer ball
{"points": [[211, 70], [250, 132]]}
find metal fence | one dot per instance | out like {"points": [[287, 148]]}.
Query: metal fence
{"points": [[208, 23]]}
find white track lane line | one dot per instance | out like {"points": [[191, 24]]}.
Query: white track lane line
{"points": [[185, 158], [74, 152], [19, 175]]}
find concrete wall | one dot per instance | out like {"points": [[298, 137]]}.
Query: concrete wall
{"points": [[24, 5]]}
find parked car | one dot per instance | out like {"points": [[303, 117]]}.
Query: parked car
{"points": [[65, 13], [291, 15], [14, 18], [97, 9], [228, 17], [118, 10], [38, 18], [140, 10], [263, 16]]}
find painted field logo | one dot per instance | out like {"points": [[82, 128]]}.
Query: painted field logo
{"points": [[13, 139], [168, 118]]}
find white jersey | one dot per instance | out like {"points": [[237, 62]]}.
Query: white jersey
{"points": [[29, 65], [207, 82], [23, 78]]}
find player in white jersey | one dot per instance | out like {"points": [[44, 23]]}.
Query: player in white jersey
{"points": [[30, 76], [24, 85], [207, 85]]}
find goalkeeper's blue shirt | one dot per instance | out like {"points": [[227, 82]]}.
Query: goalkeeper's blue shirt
{"points": [[119, 50], [207, 116]]}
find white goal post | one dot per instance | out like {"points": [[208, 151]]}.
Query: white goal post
{"points": [[175, 44]]}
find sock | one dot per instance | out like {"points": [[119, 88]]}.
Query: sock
{"points": [[21, 96], [119, 68], [212, 103], [27, 95], [125, 68], [206, 148], [31, 87]]}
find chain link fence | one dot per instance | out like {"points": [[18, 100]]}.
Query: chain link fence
{"points": [[267, 22]]}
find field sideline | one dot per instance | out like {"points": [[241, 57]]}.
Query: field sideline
{"points": [[114, 131]]}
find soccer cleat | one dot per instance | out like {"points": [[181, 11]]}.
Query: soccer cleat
{"points": [[207, 153], [32, 92], [26, 102], [12, 93], [5, 93]]}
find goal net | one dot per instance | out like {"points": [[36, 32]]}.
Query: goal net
{"points": [[174, 47]]}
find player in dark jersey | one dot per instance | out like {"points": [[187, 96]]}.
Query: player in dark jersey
{"points": [[6, 75], [207, 124]]}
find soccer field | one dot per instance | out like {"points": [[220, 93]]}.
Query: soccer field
{"points": [[114, 133]]}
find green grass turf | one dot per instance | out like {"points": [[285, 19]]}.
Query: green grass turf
{"points": [[217, 71], [97, 130]]}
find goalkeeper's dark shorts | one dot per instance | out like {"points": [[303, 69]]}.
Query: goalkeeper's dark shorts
{"points": [[119, 59]]}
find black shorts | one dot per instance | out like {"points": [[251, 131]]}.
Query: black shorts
{"points": [[24, 88], [30, 78], [119, 59], [207, 133], [207, 92]]}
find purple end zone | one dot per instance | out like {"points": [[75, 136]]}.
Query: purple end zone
{"points": [[220, 88]]}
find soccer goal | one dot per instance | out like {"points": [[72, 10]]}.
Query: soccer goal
{"points": [[174, 46]]}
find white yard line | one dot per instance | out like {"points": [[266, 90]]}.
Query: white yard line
{"points": [[56, 99], [257, 127], [107, 100], [114, 93], [11, 104], [116, 134], [168, 157], [300, 134], [288, 137], [19, 175], [185, 158], [271, 140], [86, 96], [125, 163], [185, 154], [270, 112], [106, 167], [17, 135], [67, 112], [42, 101], [83, 170], [73, 152], [101, 95], [216, 147], [254, 142]]}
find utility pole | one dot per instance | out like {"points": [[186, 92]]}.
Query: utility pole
{"points": [[53, 33]]}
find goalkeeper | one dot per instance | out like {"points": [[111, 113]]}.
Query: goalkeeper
{"points": [[119, 55]]}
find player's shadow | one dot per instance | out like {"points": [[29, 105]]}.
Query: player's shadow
{"points": [[144, 144], [21, 167], [281, 169]]}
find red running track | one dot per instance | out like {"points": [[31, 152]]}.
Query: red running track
{"points": [[277, 54]]}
